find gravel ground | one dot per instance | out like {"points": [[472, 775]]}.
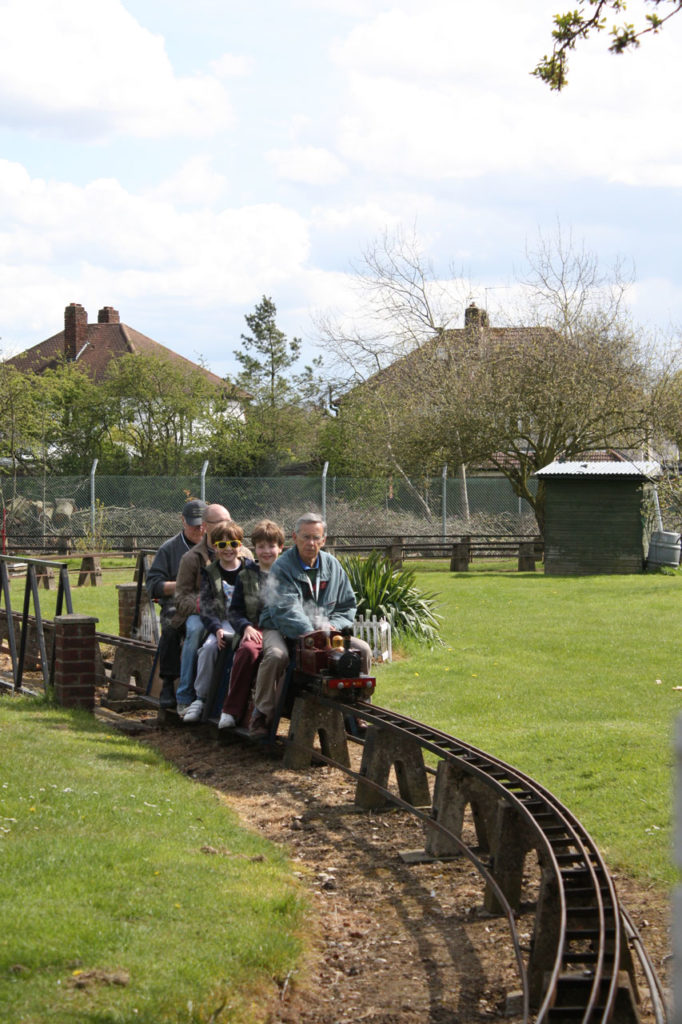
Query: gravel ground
{"points": [[389, 942]]}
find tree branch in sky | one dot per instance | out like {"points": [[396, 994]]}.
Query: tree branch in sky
{"points": [[592, 16]]}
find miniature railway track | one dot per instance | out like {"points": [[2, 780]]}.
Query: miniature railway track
{"points": [[591, 937]]}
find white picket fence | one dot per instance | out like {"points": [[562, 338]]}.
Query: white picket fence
{"points": [[377, 633]]}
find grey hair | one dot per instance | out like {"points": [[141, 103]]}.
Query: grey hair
{"points": [[310, 517]]}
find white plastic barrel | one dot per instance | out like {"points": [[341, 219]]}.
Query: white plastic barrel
{"points": [[664, 549]]}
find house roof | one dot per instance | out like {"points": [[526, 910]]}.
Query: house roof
{"points": [[97, 344], [476, 331], [639, 469]]}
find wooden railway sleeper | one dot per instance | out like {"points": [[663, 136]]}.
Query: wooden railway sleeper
{"points": [[573, 989]]}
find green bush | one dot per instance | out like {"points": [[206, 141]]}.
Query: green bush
{"points": [[385, 591]]}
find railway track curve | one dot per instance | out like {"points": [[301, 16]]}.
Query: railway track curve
{"points": [[581, 962]]}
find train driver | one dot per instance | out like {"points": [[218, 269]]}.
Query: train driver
{"points": [[307, 589]]}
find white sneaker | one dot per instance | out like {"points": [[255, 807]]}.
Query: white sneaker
{"points": [[226, 721], [194, 711], [182, 709]]}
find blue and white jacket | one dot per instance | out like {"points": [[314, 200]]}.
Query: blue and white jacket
{"points": [[294, 605]]}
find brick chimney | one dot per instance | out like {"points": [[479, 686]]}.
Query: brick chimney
{"points": [[75, 330], [475, 317], [108, 315]]}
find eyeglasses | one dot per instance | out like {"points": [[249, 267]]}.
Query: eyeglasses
{"points": [[220, 544]]}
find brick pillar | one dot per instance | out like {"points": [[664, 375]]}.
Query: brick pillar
{"points": [[126, 608], [74, 663]]}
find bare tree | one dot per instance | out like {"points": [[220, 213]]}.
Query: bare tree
{"points": [[403, 306], [568, 375]]}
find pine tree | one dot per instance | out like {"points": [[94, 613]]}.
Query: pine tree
{"points": [[266, 357], [279, 427]]}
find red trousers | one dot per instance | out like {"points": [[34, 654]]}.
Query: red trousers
{"points": [[244, 667]]}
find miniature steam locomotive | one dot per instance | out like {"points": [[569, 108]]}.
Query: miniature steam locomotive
{"points": [[326, 664]]}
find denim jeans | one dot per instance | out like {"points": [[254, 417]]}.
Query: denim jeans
{"points": [[194, 629]]}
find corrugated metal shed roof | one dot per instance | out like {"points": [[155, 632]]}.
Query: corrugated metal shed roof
{"points": [[614, 468]]}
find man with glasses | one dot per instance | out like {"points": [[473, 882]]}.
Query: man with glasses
{"points": [[308, 589], [187, 586]]}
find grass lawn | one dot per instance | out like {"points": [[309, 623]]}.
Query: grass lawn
{"points": [[114, 863], [571, 680]]}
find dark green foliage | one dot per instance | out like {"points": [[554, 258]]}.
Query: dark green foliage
{"points": [[387, 592]]}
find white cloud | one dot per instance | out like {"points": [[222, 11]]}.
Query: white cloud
{"points": [[88, 71], [232, 66], [111, 246], [371, 216], [310, 165], [195, 183], [443, 93], [347, 8], [657, 300]]}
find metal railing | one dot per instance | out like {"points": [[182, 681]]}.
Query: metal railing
{"points": [[31, 589]]}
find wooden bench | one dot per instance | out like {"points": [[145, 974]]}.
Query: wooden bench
{"points": [[459, 550], [91, 569], [528, 550]]}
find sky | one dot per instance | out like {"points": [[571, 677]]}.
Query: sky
{"points": [[180, 160]]}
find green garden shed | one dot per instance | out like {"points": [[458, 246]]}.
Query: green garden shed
{"points": [[599, 516]]}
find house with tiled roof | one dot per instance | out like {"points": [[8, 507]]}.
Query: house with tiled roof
{"points": [[440, 346], [432, 358], [94, 345]]}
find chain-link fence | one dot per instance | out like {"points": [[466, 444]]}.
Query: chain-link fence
{"points": [[100, 513]]}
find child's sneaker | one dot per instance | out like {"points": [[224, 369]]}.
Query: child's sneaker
{"points": [[194, 711]]}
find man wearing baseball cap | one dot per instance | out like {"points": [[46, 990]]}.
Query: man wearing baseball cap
{"points": [[161, 587]]}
